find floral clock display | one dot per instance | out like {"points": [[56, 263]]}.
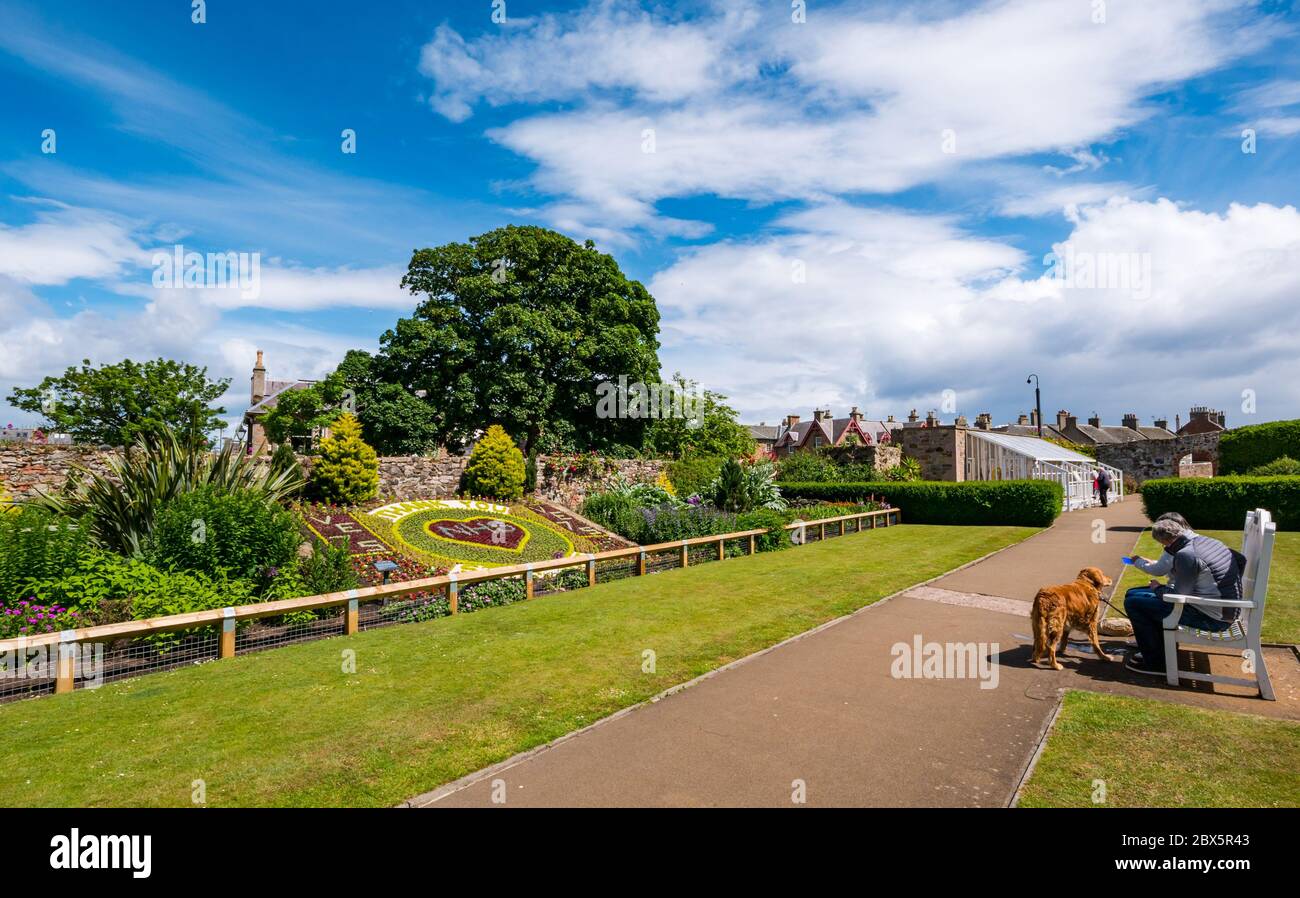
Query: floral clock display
{"points": [[472, 532]]}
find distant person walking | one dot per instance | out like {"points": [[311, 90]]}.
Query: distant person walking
{"points": [[1103, 485]]}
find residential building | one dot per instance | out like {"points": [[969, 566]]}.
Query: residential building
{"points": [[823, 430], [263, 396]]}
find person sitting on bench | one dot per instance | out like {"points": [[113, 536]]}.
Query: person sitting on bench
{"points": [[1197, 566]]}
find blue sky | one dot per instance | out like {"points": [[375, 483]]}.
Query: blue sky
{"points": [[853, 209]]}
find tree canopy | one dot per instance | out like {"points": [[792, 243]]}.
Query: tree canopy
{"points": [[118, 403], [518, 327]]}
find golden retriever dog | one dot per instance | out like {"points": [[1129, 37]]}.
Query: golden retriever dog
{"points": [[1070, 606]]}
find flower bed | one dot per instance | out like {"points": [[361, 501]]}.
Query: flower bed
{"points": [[472, 533]]}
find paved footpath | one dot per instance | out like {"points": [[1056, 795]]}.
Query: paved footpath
{"points": [[824, 708]]}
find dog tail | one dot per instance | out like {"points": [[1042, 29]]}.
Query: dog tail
{"points": [[1038, 625]]}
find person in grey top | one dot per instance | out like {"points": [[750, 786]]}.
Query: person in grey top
{"points": [[1197, 565]]}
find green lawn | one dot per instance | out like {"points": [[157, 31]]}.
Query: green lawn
{"points": [[431, 702], [1281, 614], [1160, 754]]}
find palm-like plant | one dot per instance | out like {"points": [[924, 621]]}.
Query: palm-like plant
{"points": [[118, 509]]}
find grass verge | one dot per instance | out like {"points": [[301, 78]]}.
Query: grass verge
{"points": [[1160, 754], [431, 702]]}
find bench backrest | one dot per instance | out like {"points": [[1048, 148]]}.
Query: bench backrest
{"points": [[1257, 545]]}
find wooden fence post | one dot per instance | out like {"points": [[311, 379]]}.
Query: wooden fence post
{"points": [[66, 671], [227, 633], [722, 548], [591, 571], [528, 582], [352, 616], [751, 544], [821, 533], [640, 565], [452, 594], [686, 554]]}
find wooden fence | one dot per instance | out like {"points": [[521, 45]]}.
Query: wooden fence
{"points": [[228, 619]]}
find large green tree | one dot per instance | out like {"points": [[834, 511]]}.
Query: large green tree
{"points": [[116, 404], [518, 327]]}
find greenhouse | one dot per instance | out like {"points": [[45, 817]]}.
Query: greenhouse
{"points": [[999, 456]]}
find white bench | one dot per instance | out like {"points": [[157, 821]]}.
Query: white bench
{"points": [[1257, 545]]}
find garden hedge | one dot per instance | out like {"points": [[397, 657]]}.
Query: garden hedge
{"points": [[1028, 503], [1221, 503], [1243, 448]]}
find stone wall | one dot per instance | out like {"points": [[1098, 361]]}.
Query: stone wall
{"points": [[26, 466], [941, 450], [1149, 459], [570, 489], [880, 457]]}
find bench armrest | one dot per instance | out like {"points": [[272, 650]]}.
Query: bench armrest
{"points": [[1171, 621]]}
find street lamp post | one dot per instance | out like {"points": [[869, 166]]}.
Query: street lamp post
{"points": [[1038, 402]]}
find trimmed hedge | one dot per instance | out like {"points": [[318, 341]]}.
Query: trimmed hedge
{"points": [[1243, 448], [1026, 503], [1221, 503]]}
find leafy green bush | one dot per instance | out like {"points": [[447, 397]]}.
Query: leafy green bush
{"points": [[1286, 466], [118, 509], [496, 467], [1221, 503], [744, 487], [97, 576], [492, 593], [776, 537], [1244, 448], [35, 544], [1029, 503], [908, 470], [327, 569], [210, 531], [617, 512], [347, 471], [691, 475], [808, 467]]}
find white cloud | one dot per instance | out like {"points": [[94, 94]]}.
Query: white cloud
{"points": [[609, 45], [897, 308], [65, 243], [863, 101]]}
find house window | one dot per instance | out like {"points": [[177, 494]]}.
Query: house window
{"points": [[817, 442]]}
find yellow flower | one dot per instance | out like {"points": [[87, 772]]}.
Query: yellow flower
{"points": [[665, 484]]}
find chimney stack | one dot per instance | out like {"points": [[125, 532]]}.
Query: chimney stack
{"points": [[1162, 423], [911, 418], [1061, 417], [961, 421], [258, 390], [930, 419], [855, 414], [791, 420], [984, 421], [822, 414], [1095, 420], [1130, 421], [1023, 420]]}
